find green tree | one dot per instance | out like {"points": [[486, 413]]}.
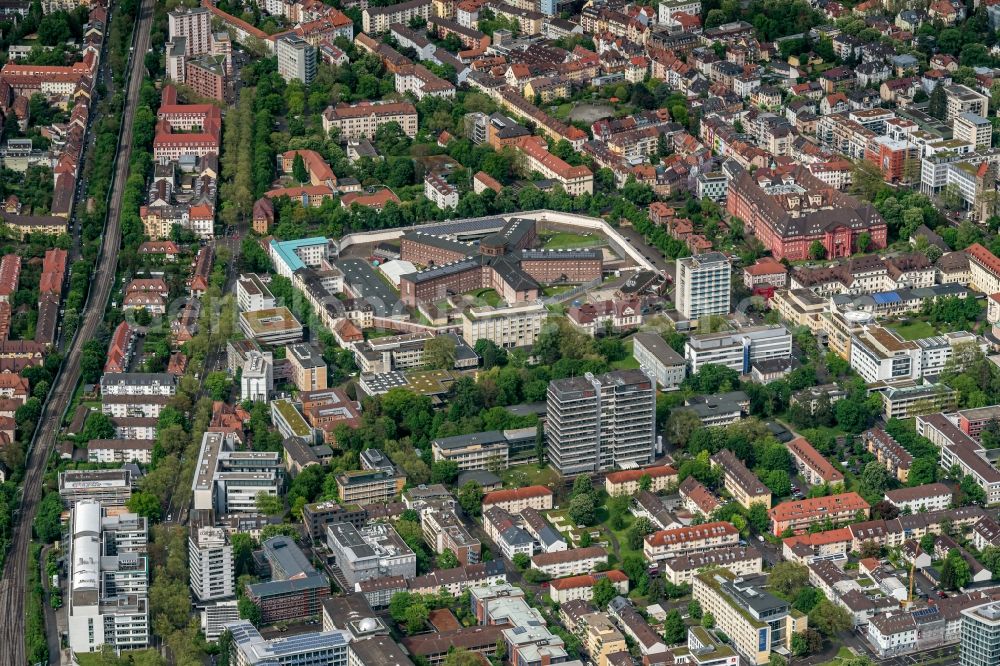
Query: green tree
{"points": [[788, 578], [645, 482], [777, 660], [521, 560], [269, 505], [218, 385], [249, 611], [98, 426], [864, 241], [604, 592], [829, 618], [146, 505], [416, 618], [582, 510], [874, 481], [955, 572], [444, 471], [470, 498], [299, 171], [674, 629], [694, 609], [447, 559], [817, 250], [937, 106], [708, 621], [439, 353]]}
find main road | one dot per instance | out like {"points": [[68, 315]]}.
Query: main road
{"points": [[12, 585]]}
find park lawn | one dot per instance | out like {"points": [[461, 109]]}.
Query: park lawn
{"points": [[914, 330], [629, 362], [842, 654], [564, 240], [491, 297], [555, 290], [139, 656], [520, 476]]}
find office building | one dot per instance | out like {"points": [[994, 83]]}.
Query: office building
{"points": [[328, 648], [228, 481], [963, 99], [738, 350], [703, 285], [659, 359], [257, 378], [881, 354], [478, 451], [252, 294], [109, 578], [755, 621], [980, 635], [110, 487], [210, 561], [296, 58], [369, 486], [296, 590], [601, 422], [972, 128], [374, 551], [514, 326]]}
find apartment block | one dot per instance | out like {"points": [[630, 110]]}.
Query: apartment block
{"points": [[296, 58], [210, 561], [813, 465], [800, 514], [478, 451], [363, 487], [574, 562], [740, 482], [665, 544], [653, 353], [601, 422], [958, 448], [628, 482], [741, 560], [374, 551], [308, 367], [928, 497], [362, 120], [703, 285], [962, 99], [375, 20]]}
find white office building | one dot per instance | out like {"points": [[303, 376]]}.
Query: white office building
{"points": [[109, 580], [327, 648], [738, 350], [228, 481], [881, 354], [508, 327], [252, 294], [257, 378], [980, 635], [703, 285], [296, 58]]}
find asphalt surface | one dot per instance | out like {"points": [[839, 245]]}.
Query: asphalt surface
{"points": [[12, 585]]}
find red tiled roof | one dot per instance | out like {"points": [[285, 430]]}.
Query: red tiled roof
{"points": [[628, 475], [691, 533], [515, 494], [818, 506], [587, 580]]}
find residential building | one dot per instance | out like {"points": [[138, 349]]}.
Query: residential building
{"points": [[702, 285], [376, 20], [253, 294], [516, 499], [958, 448], [813, 465], [628, 482], [973, 129], [308, 367], [741, 560], [889, 452], [257, 378], [738, 350], [601, 422], [296, 58], [194, 26], [440, 192], [665, 544], [210, 563], [601, 638], [755, 621], [659, 359], [575, 180], [363, 119], [740, 482], [984, 269], [573, 562], [138, 383], [121, 451], [444, 531], [928, 497], [797, 515], [562, 590], [636, 627]]}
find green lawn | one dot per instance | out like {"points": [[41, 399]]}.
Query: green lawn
{"points": [[914, 330], [556, 290], [529, 475], [629, 362], [842, 654], [490, 296], [562, 240]]}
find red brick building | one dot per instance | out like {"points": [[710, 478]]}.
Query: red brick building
{"points": [[787, 209]]}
